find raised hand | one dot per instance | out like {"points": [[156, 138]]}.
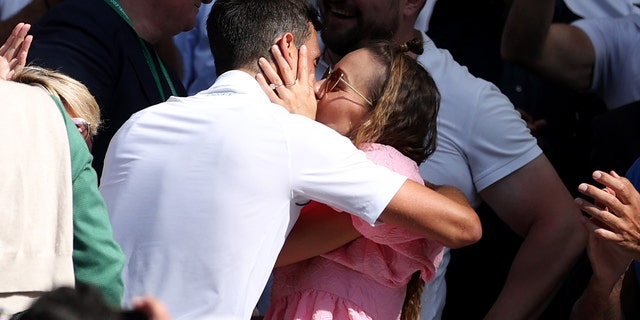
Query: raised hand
{"points": [[13, 53], [292, 88], [615, 213]]}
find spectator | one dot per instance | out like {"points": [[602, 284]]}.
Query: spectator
{"points": [[388, 120], [108, 46], [485, 150], [96, 257], [597, 54], [199, 70]]}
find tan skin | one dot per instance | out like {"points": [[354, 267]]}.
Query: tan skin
{"points": [[343, 109], [13, 57], [614, 240], [13, 53]]}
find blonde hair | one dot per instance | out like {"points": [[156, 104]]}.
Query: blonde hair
{"points": [[74, 95]]}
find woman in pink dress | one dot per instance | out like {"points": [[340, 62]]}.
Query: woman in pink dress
{"points": [[386, 103]]}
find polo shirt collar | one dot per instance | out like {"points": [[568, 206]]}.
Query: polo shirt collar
{"points": [[237, 82]]}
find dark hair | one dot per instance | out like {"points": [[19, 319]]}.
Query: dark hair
{"points": [[405, 103], [84, 302], [241, 31]]}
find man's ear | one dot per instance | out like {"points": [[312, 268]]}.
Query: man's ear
{"points": [[288, 48]]}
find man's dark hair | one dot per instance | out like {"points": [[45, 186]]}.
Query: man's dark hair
{"points": [[84, 302], [241, 31]]}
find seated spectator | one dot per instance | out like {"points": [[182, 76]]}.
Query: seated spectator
{"points": [[74, 96], [108, 45], [96, 257]]}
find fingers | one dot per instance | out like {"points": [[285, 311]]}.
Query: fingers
{"points": [[602, 215], [266, 86], [623, 188], [286, 70], [11, 46], [303, 65], [270, 74], [284, 86], [24, 51], [614, 196]]}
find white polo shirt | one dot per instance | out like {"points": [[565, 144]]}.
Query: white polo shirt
{"points": [[481, 140], [203, 190], [616, 69]]}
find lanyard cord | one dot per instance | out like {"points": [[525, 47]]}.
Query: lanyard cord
{"points": [[147, 55]]}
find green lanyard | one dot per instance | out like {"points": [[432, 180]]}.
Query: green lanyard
{"points": [[145, 50]]}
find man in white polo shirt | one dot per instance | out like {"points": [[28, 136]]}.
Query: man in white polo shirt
{"points": [[203, 190]]}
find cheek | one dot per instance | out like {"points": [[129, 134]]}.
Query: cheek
{"points": [[330, 114], [340, 114]]}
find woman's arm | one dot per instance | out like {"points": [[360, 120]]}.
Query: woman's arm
{"points": [[319, 230]]}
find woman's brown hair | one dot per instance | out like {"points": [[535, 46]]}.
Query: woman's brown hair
{"points": [[405, 107], [405, 103]]}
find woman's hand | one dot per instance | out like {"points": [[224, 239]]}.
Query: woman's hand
{"points": [[288, 88], [13, 53]]}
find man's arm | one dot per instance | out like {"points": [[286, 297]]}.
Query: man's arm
{"points": [[558, 51], [599, 301], [534, 202], [321, 229], [425, 211]]}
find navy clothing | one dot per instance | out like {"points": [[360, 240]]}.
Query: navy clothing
{"points": [[89, 41]]}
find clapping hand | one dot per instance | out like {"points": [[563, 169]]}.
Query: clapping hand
{"points": [[615, 212]]}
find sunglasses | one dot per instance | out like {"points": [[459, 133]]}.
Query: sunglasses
{"points": [[333, 77]]}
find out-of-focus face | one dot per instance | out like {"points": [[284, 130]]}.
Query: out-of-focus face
{"points": [[179, 15], [342, 108], [348, 23]]}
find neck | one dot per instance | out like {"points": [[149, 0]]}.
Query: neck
{"points": [[141, 16]]}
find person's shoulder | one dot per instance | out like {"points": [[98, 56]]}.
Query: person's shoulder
{"points": [[454, 80], [393, 159], [88, 17], [14, 91]]}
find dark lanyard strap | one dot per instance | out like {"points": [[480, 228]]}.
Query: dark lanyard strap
{"points": [[147, 55]]}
